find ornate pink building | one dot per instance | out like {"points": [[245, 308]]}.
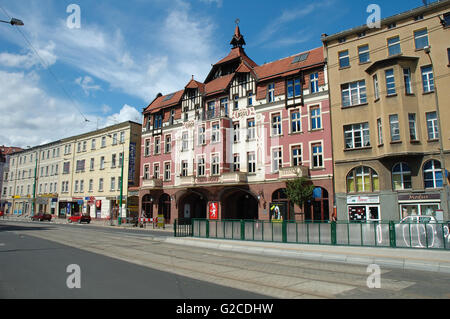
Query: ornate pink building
{"points": [[224, 148]]}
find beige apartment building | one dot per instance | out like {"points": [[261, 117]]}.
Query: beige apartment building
{"points": [[79, 174], [90, 180], [389, 100]]}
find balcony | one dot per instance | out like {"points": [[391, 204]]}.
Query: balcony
{"points": [[152, 183], [187, 180], [293, 171], [234, 177]]}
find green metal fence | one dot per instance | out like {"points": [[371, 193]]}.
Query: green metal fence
{"points": [[371, 234]]}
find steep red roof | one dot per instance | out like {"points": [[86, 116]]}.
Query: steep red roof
{"points": [[236, 53], [195, 85], [165, 101], [287, 66], [8, 150], [219, 84]]}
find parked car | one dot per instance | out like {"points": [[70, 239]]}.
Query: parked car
{"points": [[41, 217], [79, 219]]}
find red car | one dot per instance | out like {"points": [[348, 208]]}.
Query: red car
{"points": [[41, 217], [79, 219]]}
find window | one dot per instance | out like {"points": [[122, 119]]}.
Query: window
{"points": [[172, 117], [277, 160], [80, 166], [427, 79], [432, 174], [294, 88], [146, 172], [76, 187], [236, 132], [168, 144], [296, 122], [114, 141], [93, 144], [276, 124], [395, 128], [201, 135], [394, 46], [412, 126], [122, 137], [362, 179], [316, 122], [91, 185], [432, 126], [184, 168], [147, 148], [215, 165], [215, 133], [407, 78], [251, 162], [376, 87], [392, 25], [344, 59], [157, 121], [314, 79], [92, 165], [447, 19], [66, 168], [81, 186], [421, 39], [103, 142], [211, 109], [251, 129], [100, 185], [401, 177], [156, 171], [78, 150], [357, 135], [113, 160], [167, 171], [157, 145], [224, 106], [390, 82], [270, 93], [236, 102], [120, 159], [236, 162], [250, 98], [201, 166], [363, 53], [296, 155], [317, 155], [354, 93], [102, 162]]}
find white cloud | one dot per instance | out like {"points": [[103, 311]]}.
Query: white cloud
{"points": [[217, 2], [46, 58], [127, 113], [87, 85]]}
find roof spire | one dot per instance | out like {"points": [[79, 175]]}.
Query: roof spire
{"points": [[238, 40]]}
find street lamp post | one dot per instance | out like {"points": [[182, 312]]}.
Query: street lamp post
{"points": [[13, 21], [441, 143]]}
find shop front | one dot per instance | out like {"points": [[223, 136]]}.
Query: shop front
{"points": [[420, 204], [363, 208]]}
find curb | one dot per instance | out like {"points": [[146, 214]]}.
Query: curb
{"points": [[354, 258]]}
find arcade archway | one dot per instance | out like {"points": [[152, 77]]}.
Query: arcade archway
{"points": [[239, 204]]}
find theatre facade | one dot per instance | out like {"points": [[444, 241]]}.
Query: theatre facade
{"points": [[224, 148]]}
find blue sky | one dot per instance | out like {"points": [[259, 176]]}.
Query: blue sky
{"points": [[125, 52]]}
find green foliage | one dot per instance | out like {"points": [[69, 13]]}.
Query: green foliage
{"points": [[299, 190]]}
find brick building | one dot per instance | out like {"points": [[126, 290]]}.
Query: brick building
{"points": [[228, 144]]}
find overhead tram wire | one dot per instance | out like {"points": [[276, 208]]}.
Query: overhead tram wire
{"points": [[47, 67]]}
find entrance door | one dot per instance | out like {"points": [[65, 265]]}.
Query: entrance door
{"points": [[187, 211]]}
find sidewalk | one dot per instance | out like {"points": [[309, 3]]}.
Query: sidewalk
{"points": [[406, 259]]}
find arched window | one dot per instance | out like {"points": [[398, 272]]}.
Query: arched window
{"points": [[401, 176], [362, 179], [432, 174]]}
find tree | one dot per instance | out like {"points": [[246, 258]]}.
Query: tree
{"points": [[299, 190]]}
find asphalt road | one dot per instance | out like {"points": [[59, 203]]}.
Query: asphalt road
{"points": [[141, 264], [32, 268]]}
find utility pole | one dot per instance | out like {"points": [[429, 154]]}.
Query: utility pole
{"points": [[33, 210]]}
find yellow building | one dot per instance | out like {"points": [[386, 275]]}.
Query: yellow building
{"points": [[389, 96], [91, 170]]}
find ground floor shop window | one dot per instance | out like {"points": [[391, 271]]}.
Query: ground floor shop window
{"points": [[428, 209], [363, 213]]}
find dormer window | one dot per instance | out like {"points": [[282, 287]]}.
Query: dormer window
{"points": [[157, 121], [191, 93], [294, 88]]}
